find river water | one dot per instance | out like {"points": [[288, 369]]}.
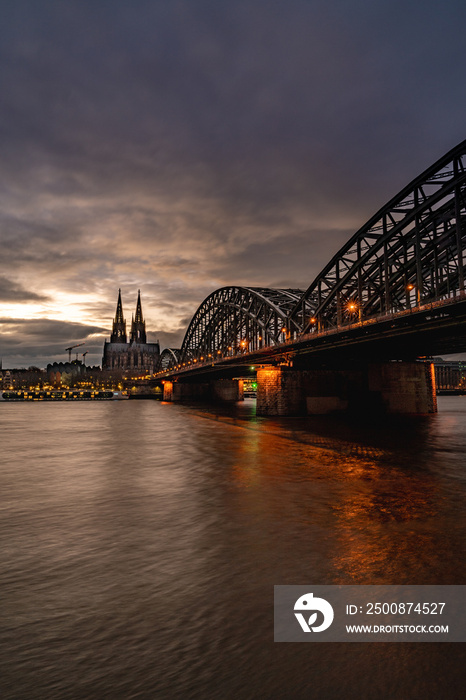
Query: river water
{"points": [[141, 542]]}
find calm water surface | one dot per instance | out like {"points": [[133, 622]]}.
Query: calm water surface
{"points": [[141, 542]]}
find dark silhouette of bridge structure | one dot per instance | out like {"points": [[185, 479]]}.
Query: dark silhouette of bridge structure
{"points": [[394, 293]]}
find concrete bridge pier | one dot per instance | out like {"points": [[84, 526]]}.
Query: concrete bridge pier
{"points": [[280, 392], [384, 388], [227, 390], [404, 387], [215, 391]]}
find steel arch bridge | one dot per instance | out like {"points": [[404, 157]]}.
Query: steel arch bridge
{"points": [[170, 357], [409, 254], [232, 321]]}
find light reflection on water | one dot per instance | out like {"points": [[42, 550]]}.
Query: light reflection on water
{"points": [[141, 542]]}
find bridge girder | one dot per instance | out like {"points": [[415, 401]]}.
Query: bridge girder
{"points": [[410, 252]]}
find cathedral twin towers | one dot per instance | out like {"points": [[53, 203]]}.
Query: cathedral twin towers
{"points": [[136, 354]]}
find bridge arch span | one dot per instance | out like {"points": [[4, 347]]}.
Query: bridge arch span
{"points": [[169, 358], [233, 320], [411, 252]]}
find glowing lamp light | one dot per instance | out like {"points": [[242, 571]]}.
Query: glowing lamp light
{"points": [[409, 287]]}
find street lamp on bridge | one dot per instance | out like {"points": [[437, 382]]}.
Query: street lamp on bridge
{"points": [[352, 307]]}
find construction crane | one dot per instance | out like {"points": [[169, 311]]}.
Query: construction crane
{"points": [[68, 350], [84, 356]]}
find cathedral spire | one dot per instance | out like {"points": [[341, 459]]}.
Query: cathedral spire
{"points": [[119, 309], [138, 325], [119, 324], [138, 318]]}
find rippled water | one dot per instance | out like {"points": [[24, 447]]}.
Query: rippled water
{"points": [[141, 542]]}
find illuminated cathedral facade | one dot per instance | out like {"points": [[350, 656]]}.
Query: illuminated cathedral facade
{"points": [[135, 353]]}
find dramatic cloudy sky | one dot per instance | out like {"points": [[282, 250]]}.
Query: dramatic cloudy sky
{"points": [[176, 146]]}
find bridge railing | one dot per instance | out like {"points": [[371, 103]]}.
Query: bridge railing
{"points": [[380, 318]]}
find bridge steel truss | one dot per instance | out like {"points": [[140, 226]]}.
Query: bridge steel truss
{"points": [[411, 252], [235, 320], [170, 357]]}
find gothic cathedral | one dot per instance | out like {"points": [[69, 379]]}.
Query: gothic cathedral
{"points": [[137, 354]]}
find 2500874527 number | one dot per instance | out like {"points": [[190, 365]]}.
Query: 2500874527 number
{"points": [[404, 608]]}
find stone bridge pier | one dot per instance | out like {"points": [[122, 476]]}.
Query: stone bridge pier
{"points": [[216, 391], [388, 387]]}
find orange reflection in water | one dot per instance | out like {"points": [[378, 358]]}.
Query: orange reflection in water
{"points": [[375, 511], [383, 525]]}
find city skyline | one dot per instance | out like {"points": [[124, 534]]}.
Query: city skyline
{"points": [[188, 146]]}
